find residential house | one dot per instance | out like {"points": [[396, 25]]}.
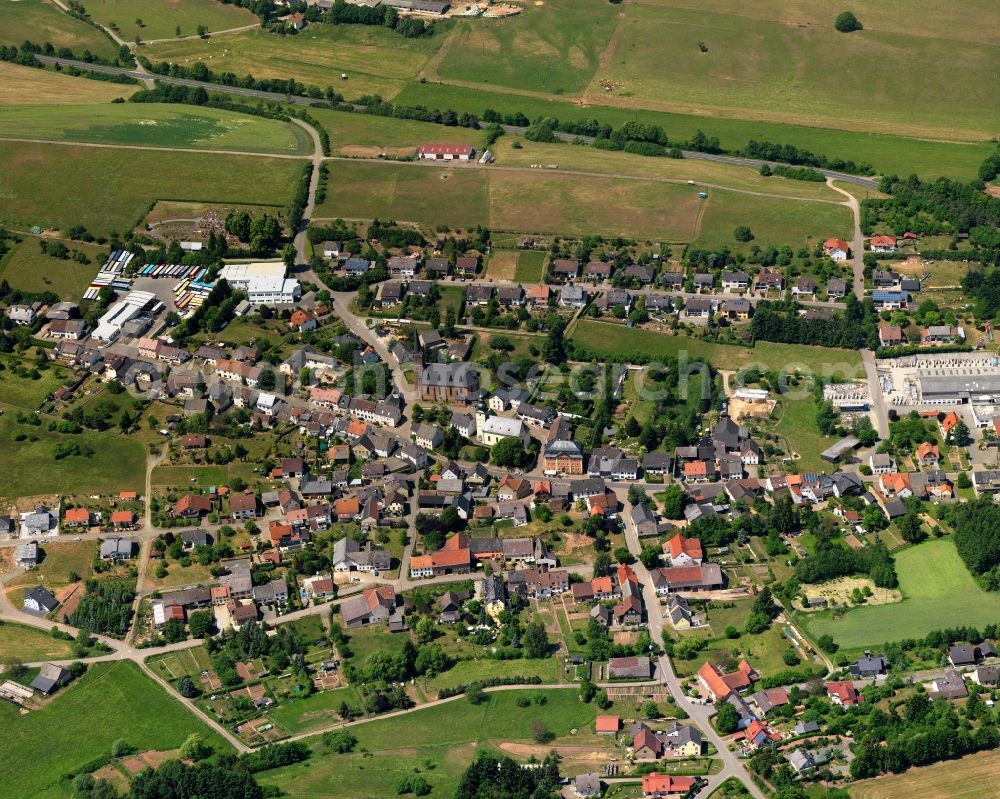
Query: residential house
{"points": [[39, 601], [837, 249], [630, 668], [718, 684]]}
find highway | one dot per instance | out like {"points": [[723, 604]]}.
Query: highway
{"points": [[858, 180]]}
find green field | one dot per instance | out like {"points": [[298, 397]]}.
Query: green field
{"points": [[938, 592], [552, 47], [706, 173], [27, 268], [25, 392], [113, 701], [30, 645], [375, 59], [84, 195], [608, 339], [773, 221], [439, 741], [61, 558], [155, 125], [467, 671], [161, 18], [529, 266], [41, 22], [810, 74], [365, 130], [797, 426], [889, 153], [117, 463]]}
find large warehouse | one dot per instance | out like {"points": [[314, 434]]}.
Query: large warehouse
{"points": [[265, 282], [959, 389]]}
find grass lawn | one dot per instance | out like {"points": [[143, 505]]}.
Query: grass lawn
{"points": [[797, 426], [116, 464], [605, 338], [466, 671], [375, 59], [82, 195], [161, 18], [316, 710], [763, 651], [27, 268], [61, 558], [438, 742], [29, 645], [177, 575], [40, 22], [367, 641], [889, 153], [553, 47], [156, 125], [27, 85], [751, 65], [180, 475], [24, 392], [937, 589], [529, 266], [190, 662], [970, 777], [113, 701], [773, 221]]}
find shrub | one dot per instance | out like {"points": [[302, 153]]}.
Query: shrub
{"points": [[846, 22]]}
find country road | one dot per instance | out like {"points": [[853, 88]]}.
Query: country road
{"points": [[870, 183]]}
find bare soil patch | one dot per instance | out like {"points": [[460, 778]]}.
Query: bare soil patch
{"points": [[839, 592], [502, 266]]}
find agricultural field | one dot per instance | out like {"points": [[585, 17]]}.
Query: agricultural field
{"points": [[773, 221], [374, 59], [30, 86], [937, 589], [27, 268], [160, 19], [81, 195], [755, 68], [40, 22], [29, 645], [114, 464], [971, 777], [887, 152], [705, 173], [155, 125], [118, 701], [516, 201], [438, 741], [553, 47], [605, 338]]}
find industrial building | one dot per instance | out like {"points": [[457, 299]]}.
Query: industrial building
{"points": [[265, 282], [135, 304], [981, 389]]}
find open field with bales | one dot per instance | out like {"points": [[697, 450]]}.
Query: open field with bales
{"points": [[374, 59], [552, 47], [117, 701], [606, 339], [971, 777], [937, 590], [887, 152], [155, 125], [40, 22], [161, 19], [439, 742], [82, 194], [29, 645], [31, 86], [27, 268], [729, 64]]}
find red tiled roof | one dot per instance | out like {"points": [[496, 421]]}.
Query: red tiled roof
{"points": [[666, 783], [77, 516], [608, 724], [688, 546]]}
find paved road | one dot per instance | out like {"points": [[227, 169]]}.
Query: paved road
{"points": [[732, 766], [870, 183]]}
